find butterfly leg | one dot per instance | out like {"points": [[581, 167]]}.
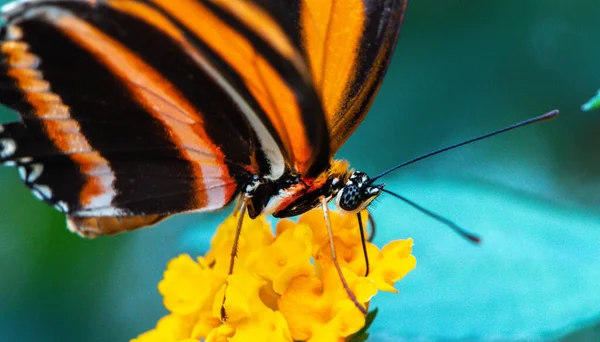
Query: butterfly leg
{"points": [[364, 243], [238, 205], [334, 257], [241, 212]]}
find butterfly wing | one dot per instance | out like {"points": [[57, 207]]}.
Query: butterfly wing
{"points": [[131, 110], [349, 44], [262, 46]]}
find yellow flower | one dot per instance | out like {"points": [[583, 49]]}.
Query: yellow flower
{"points": [[391, 264], [171, 328], [288, 257], [188, 286], [283, 288], [319, 309]]}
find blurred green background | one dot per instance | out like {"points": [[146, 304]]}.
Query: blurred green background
{"points": [[462, 68]]}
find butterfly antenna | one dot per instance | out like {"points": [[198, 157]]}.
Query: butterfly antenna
{"points": [[456, 228], [544, 117]]}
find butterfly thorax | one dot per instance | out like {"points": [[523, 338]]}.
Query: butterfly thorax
{"points": [[292, 195]]}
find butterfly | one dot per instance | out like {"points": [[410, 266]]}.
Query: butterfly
{"points": [[135, 110]]}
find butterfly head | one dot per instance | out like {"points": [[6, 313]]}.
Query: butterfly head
{"points": [[358, 191]]}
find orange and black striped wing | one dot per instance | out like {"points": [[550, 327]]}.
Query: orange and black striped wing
{"points": [[134, 110], [349, 44]]}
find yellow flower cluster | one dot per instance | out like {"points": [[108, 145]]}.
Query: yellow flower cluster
{"points": [[284, 287]]}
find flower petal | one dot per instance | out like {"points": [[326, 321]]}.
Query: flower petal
{"points": [[288, 257], [171, 328], [394, 262], [187, 287], [242, 296], [268, 326], [256, 233]]}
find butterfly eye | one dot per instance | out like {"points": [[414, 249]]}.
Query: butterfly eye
{"points": [[357, 193], [349, 197]]}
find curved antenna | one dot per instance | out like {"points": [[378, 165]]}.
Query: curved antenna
{"points": [[456, 228], [544, 117]]}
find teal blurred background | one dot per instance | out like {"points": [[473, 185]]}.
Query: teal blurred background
{"points": [[462, 68]]}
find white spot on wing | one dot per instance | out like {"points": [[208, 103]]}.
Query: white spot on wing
{"points": [[37, 194], [44, 190], [61, 206], [10, 163], [35, 173], [71, 226], [25, 160], [102, 200], [107, 180], [7, 148], [23, 173]]}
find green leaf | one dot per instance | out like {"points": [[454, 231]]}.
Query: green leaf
{"points": [[593, 103], [362, 335]]}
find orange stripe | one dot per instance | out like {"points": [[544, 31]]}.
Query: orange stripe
{"points": [[265, 84], [261, 23], [148, 14], [331, 34], [159, 97], [248, 13], [18, 56], [63, 132]]}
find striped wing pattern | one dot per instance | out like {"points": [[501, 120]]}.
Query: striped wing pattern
{"points": [[135, 110], [349, 44]]}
